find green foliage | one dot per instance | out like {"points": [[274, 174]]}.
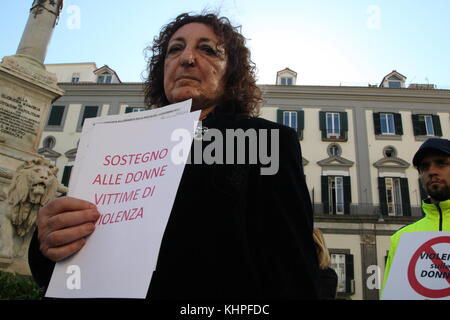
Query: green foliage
{"points": [[18, 287]]}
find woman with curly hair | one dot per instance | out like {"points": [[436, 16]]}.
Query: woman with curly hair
{"points": [[233, 233]]}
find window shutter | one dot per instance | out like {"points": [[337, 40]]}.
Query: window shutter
{"points": [[280, 116], [398, 123], [300, 122], [437, 126], [349, 273], [376, 123], [382, 194], [128, 109], [347, 195], [89, 112], [325, 200], [323, 124], [344, 123], [56, 116], [416, 124], [406, 204], [66, 175]]}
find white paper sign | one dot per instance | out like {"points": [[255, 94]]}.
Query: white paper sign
{"points": [[128, 172], [421, 267], [149, 115]]}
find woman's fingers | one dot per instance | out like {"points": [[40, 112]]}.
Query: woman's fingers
{"points": [[65, 204], [60, 253], [63, 225], [70, 219]]}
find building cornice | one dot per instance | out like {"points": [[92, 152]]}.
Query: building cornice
{"points": [[100, 89], [357, 93]]}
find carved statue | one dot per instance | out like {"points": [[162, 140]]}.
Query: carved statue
{"points": [[34, 185]]}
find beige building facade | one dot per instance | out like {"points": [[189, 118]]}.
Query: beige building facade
{"points": [[357, 145]]}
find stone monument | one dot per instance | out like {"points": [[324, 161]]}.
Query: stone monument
{"points": [[27, 181]]}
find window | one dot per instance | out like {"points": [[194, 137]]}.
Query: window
{"points": [[56, 116], [105, 77], [333, 124], [76, 77], [338, 264], [290, 119], [49, 142], [426, 125], [293, 119], [66, 175], [389, 152], [342, 262], [334, 150], [394, 84], [387, 123], [286, 81], [394, 196], [88, 112], [336, 194]]}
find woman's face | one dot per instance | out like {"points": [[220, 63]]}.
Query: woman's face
{"points": [[195, 66]]}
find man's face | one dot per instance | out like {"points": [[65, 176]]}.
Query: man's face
{"points": [[434, 171]]}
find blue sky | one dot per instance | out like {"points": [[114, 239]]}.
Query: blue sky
{"points": [[327, 42]]}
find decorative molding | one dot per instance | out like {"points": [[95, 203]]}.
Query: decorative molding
{"points": [[391, 163], [39, 6], [388, 137], [335, 161], [304, 161], [30, 70], [71, 154], [367, 238], [49, 153], [6, 173]]}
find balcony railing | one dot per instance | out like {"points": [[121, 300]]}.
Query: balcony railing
{"points": [[368, 209]]}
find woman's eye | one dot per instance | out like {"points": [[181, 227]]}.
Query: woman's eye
{"points": [[210, 51], [174, 49]]}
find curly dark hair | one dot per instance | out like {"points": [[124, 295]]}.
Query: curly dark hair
{"points": [[240, 87]]}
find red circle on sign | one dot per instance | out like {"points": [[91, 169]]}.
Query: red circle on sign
{"points": [[415, 284]]}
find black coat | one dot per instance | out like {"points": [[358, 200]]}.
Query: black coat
{"points": [[328, 284], [232, 232]]}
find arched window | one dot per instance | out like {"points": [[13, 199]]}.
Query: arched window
{"points": [[334, 150], [390, 152], [49, 142]]}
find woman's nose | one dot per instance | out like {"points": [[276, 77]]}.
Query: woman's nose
{"points": [[187, 57]]}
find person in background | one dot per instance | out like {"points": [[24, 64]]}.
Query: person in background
{"points": [[328, 277], [432, 161], [233, 233]]}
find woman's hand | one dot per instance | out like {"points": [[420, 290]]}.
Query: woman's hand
{"points": [[63, 225]]}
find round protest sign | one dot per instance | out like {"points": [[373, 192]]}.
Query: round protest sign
{"points": [[438, 270]]}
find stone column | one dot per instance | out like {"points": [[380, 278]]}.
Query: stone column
{"points": [[39, 28], [27, 91]]}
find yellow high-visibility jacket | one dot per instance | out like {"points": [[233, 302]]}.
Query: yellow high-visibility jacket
{"points": [[437, 218]]}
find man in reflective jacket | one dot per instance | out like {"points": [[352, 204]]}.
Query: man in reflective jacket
{"points": [[432, 160]]}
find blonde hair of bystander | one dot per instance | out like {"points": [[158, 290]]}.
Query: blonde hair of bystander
{"points": [[321, 248]]}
